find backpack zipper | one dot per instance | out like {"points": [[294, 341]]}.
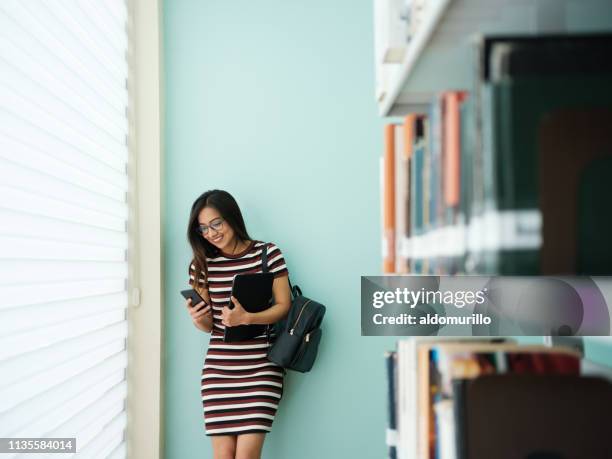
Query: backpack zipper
{"points": [[298, 318]]}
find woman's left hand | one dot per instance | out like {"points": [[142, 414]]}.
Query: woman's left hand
{"points": [[236, 316]]}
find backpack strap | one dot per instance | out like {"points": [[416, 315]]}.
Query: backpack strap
{"points": [[295, 291], [264, 269], [264, 258]]}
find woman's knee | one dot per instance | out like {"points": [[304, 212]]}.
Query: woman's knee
{"points": [[224, 447], [249, 446], [249, 454], [224, 453]]}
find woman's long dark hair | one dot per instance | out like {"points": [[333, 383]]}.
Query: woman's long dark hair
{"points": [[226, 205]]}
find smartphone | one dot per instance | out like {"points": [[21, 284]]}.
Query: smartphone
{"points": [[195, 296]]}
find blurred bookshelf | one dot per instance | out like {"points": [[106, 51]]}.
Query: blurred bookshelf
{"points": [[496, 160], [475, 398], [423, 47], [498, 150]]}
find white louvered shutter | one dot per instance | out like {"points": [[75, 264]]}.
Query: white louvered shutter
{"points": [[64, 222]]}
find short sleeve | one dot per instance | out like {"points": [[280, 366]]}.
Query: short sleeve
{"points": [[202, 281], [276, 261]]}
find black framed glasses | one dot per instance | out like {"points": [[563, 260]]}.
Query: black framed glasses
{"points": [[215, 224]]}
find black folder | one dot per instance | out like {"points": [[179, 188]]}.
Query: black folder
{"points": [[254, 292]]}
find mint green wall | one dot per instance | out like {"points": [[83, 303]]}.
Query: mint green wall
{"points": [[274, 101]]}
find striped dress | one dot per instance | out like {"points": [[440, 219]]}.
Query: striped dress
{"points": [[240, 388]]}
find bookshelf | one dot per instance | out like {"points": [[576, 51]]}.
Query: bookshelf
{"points": [[442, 41], [499, 161], [473, 398], [497, 150]]}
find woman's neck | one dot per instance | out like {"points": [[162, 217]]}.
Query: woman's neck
{"points": [[237, 246]]}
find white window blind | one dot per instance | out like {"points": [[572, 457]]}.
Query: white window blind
{"points": [[64, 222]]}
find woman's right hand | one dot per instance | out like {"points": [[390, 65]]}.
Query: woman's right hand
{"points": [[201, 315]]}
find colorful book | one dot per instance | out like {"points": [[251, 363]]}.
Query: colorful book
{"points": [[416, 190], [389, 200], [401, 197]]}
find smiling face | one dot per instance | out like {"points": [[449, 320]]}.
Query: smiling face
{"points": [[224, 237]]}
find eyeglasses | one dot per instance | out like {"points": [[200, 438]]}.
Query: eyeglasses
{"points": [[216, 225]]}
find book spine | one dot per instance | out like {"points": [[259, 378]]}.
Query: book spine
{"points": [[391, 437]]}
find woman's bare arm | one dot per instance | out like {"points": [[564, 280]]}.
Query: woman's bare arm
{"points": [[280, 309]]}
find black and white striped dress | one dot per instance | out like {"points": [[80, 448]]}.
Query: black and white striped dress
{"points": [[241, 388]]}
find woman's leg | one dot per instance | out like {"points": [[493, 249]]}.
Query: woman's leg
{"points": [[248, 446], [224, 446]]}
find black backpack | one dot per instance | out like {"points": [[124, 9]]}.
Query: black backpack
{"points": [[299, 334]]}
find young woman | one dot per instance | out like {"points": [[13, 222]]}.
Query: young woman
{"points": [[241, 388]]}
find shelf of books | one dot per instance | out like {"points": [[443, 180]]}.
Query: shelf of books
{"points": [[496, 162], [423, 47], [453, 398], [511, 175]]}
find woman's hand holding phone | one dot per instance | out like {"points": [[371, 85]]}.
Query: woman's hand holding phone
{"points": [[201, 315]]}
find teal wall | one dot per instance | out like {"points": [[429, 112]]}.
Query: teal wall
{"points": [[274, 102]]}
